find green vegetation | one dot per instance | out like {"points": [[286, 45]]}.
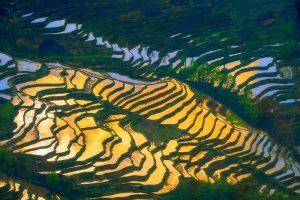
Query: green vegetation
{"points": [[289, 27], [153, 130], [290, 48], [44, 70], [202, 77], [235, 119], [251, 111], [227, 32], [265, 114], [166, 133], [25, 167], [52, 180], [107, 111], [7, 114], [64, 73], [204, 73], [77, 57], [16, 165], [66, 186], [280, 121], [156, 132], [221, 190]]}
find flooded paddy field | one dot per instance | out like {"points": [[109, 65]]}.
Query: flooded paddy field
{"points": [[129, 99]]}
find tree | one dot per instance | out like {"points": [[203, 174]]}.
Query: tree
{"points": [[52, 180], [7, 113]]}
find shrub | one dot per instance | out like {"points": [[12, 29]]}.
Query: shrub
{"points": [[17, 165], [221, 190], [52, 180], [7, 113]]}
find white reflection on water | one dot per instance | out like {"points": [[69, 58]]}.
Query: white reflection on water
{"points": [[56, 24], [28, 66], [4, 83], [91, 37], [4, 59], [124, 78], [27, 15], [39, 20]]}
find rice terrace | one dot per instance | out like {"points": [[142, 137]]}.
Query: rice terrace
{"points": [[157, 99]]}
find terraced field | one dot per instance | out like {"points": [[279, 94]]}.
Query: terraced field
{"points": [[106, 93], [112, 158], [259, 73]]}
